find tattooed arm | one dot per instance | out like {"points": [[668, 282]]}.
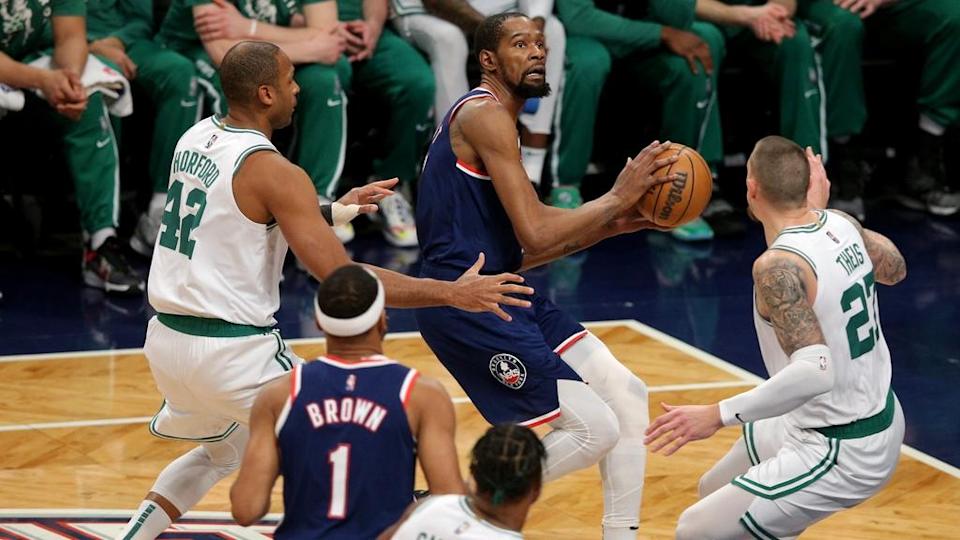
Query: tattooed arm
{"points": [[459, 12], [889, 266], [785, 287]]}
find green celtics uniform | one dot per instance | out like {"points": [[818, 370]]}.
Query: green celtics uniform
{"points": [[793, 67], [89, 145], [320, 120], [929, 28], [598, 41], [166, 77], [399, 76]]}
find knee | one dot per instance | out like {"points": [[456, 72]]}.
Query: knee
{"points": [[845, 26], [603, 433], [796, 48], [689, 527], [177, 74]]}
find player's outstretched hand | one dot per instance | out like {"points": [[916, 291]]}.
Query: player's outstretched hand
{"points": [[818, 194], [680, 425], [637, 177], [369, 195], [477, 293]]}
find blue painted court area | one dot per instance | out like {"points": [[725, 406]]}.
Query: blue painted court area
{"points": [[699, 293]]}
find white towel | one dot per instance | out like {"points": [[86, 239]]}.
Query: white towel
{"points": [[97, 77]]}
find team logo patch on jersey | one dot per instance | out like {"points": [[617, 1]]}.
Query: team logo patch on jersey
{"points": [[509, 370], [213, 139], [351, 383], [832, 237]]}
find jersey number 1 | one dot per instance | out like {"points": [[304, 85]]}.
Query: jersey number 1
{"points": [[174, 224], [863, 316], [339, 459]]}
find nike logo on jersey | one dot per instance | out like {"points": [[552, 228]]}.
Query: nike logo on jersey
{"points": [[188, 103], [738, 418], [702, 104], [810, 93], [333, 102], [101, 144]]}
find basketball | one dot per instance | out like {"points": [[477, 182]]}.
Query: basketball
{"points": [[673, 204]]}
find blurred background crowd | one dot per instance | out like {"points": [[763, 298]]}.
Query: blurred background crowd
{"points": [[94, 95]]}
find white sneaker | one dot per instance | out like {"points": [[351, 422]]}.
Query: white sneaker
{"points": [[345, 232], [145, 234], [399, 227]]}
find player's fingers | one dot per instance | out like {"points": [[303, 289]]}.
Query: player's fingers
{"points": [[508, 277], [499, 312], [368, 209], [692, 62], [679, 444], [510, 288], [672, 177], [386, 184], [654, 448], [660, 425], [703, 53], [516, 302], [475, 269], [640, 154], [661, 163]]}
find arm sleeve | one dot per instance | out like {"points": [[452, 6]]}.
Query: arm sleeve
{"points": [[583, 18], [809, 374]]}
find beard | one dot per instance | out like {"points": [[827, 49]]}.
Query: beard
{"points": [[527, 90]]}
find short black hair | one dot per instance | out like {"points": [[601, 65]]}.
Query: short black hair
{"points": [[347, 292], [507, 462], [247, 66], [781, 169], [488, 34]]}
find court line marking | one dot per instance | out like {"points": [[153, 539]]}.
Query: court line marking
{"points": [[705, 357], [459, 400]]}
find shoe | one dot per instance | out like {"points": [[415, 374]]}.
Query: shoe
{"points": [[925, 171], [697, 230], [145, 233], [345, 232], [943, 202], [722, 218], [107, 268], [399, 227], [567, 197]]}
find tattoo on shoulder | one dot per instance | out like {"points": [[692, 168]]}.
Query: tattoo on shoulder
{"points": [[781, 288]]}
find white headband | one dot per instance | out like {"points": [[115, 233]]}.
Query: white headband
{"points": [[353, 326]]}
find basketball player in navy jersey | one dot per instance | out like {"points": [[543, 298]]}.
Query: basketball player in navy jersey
{"points": [[474, 196], [346, 429]]}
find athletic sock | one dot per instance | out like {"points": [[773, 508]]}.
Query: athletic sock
{"points": [[147, 523]]}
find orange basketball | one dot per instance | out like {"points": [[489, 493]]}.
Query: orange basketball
{"points": [[676, 203]]}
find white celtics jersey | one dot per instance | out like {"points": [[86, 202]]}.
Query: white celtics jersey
{"points": [[210, 260], [450, 517], [846, 306]]}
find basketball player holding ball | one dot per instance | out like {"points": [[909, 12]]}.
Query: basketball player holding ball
{"points": [[543, 367]]}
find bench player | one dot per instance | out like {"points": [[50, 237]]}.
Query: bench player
{"points": [[234, 203], [474, 195], [345, 431], [823, 433]]}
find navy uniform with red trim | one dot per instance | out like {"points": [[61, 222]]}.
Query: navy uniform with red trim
{"points": [[509, 369], [346, 448]]}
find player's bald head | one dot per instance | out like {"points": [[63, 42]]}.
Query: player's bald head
{"points": [[780, 168], [246, 67]]}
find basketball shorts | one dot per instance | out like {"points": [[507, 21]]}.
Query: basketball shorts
{"points": [[800, 476], [509, 369], [209, 383]]}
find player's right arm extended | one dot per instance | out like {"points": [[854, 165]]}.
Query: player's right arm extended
{"points": [[889, 266], [489, 129], [783, 294], [436, 425], [250, 494]]}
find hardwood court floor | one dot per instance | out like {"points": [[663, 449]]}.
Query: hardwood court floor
{"points": [[73, 435]]}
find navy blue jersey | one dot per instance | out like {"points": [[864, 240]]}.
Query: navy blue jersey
{"points": [[347, 455], [458, 211]]}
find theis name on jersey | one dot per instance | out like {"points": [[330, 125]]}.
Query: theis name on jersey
{"points": [[199, 166], [850, 258], [346, 410]]}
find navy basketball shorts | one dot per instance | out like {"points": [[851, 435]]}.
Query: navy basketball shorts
{"points": [[508, 369]]}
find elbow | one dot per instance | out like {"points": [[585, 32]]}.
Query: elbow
{"points": [[243, 506]]}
